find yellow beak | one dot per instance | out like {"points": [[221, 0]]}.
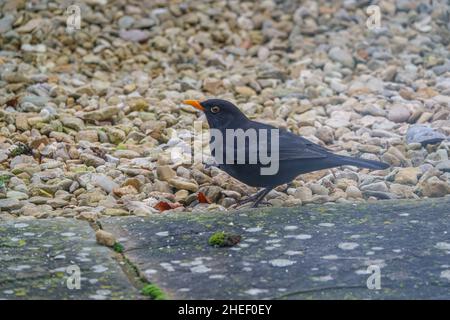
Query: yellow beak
{"points": [[195, 103]]}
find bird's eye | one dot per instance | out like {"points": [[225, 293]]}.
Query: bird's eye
{"points": [[215, 109]]}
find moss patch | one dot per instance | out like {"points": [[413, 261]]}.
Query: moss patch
{"points": [[153, 291], [224, 239], [118, 247], [20, 149]]}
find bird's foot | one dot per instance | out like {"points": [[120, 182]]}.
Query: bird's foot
{"points": [[241, 204], [247, 200], [256, 204], [257, 198]]}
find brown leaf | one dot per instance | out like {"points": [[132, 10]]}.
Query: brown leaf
{"points": [[163, 205], [202, 198], [12, 102]]}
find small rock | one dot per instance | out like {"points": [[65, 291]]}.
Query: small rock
{"points": [[105, 238], [377, 186], [103, 114], [212, 85], [245, 91], [72, 123], [123, 191], [399, 113], [434, 187], [10, 204], [134, 35], [407, 176], [303, 193], [342, 56], [423, 135], [87, 135], [353, 192], [180, 183], [165, 173], [444, 166]]}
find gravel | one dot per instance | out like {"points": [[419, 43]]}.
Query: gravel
{"points": [[99, 109]]}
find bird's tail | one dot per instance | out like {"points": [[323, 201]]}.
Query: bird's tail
{"points": [[363, 163]]}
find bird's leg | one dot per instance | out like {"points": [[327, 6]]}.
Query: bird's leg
{"points": [[251, 198], [261, 196]]}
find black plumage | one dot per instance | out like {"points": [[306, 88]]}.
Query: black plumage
{"points": [[297, 155]]}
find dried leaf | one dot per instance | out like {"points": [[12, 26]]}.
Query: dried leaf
{"points": [[202, 198], [12, 102], [163, 206]]}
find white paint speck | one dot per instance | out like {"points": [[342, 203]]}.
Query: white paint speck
{"points": [[323, 278], [330, 257], [200, 269], [150, 271], [326, 224], [442, 246], [103, 292], [19, 268], [68, 234], [255, 229], [99, 268], [281, 262], [348, 245], [21, 225], [362, 272], [446, 274], [191, 263], [293, 253], [167, 266], [256, 291], [299, 236]]}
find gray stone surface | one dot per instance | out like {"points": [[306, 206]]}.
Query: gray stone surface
{"points": [[35, 255], [307, 252]]}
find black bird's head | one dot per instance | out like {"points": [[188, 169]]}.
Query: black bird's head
{"points": [[219, 113]]}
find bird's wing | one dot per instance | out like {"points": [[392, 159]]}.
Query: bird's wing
{"points": [[290, 146]]}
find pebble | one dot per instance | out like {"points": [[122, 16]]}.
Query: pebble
{"points": [[105, 238]]}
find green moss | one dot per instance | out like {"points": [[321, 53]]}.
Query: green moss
{"points": [[3, 181], [223, 239], [217, 239], [118, 247], [153, 291], [20, 149], [121, 146]]}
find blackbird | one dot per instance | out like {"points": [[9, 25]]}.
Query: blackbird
{"points": [[296, 155]]}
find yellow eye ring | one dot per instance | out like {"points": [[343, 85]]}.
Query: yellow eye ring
{"points": [[215, 109]]}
